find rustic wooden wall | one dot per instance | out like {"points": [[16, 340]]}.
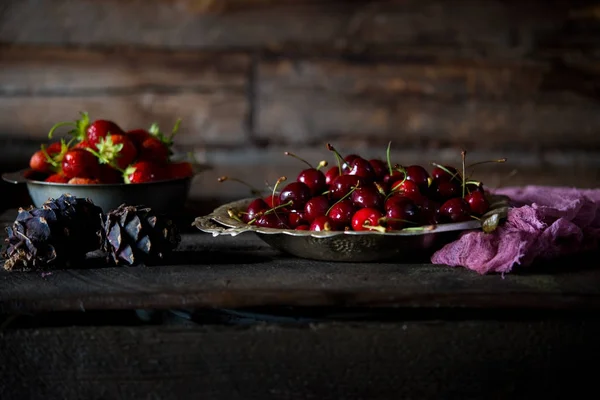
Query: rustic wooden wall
{"points": [[252, 78]]}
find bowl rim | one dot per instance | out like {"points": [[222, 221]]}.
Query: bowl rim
{"points": [[498, 209]]}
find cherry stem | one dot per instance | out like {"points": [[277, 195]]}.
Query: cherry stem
{"points": [[322, 164], [233, 215], [380, 188], [270, 210], [500, 160], [58, 125], [377, 228], [338, 156], [385, 219], [342, 198], [446, 170], [277, 183], [253, 190], [287, 153], [419, 228], [387, 155], [463, 155]]}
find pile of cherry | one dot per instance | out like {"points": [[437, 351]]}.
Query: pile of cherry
{"points": [[361, 195]]}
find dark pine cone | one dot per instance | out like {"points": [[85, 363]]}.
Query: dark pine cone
{"points": [[59, 233], [135, 235]]}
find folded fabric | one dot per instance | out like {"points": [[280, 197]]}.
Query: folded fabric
{"points": [[543, 223]]}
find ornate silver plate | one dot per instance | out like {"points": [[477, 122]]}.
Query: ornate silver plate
{"points": [[351, 246]]}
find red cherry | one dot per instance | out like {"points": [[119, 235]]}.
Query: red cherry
{"points": [[392, 178], [418, 175], [314, 179], [438, 174], [366, 216], [272, 200], [302, 227], [447, 189], [322, 223], [343, 184], [341, 213], [272, 220], [428, 211], [407, 188], [477, 202], [254, 208], [316, 207], [399, 214], [296, 192], [331, 174], [361, 167], [367, 197], [296, 218], [380, 168], [347, 164], [455, 210]]}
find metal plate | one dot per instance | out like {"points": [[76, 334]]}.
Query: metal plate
{"points": [[347, 246]]}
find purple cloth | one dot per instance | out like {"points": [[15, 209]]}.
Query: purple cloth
{"points": [[543, 222]]}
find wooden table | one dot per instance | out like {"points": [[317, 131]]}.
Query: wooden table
{"points": [[230, 318]]}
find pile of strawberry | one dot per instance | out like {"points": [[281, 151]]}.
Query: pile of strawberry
{"points": [[101, 152], [368, 195]]}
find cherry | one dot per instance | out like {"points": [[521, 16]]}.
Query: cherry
{"points": [[477, 202], [401, 213], [296, 218], [322, 223], [273, 220], [447, 189], [366, 217], [428, 211], [272, 200], [445, 173], [379, 168], [343, 184], [302, 227], [361, 167], [316, 207], [394, 177], [331, 174], [314, 179], [346, 166], [254, 208], [341, 213], [455, 210], [418, 175], [407, 188], [367, 196], [296, 192]]}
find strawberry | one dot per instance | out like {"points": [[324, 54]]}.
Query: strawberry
{"points": [[115, 150], [84, 144], [80, 163], [57, 178], [83, 181], [138, 136], [153, 149], [144, 171], [180, 170], [92, 132], [47, 160]]}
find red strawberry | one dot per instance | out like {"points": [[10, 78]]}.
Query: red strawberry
{"points": [[84, 144], [80, 163], [47, 160], [144, 171], [83, 181], [116, 150], [100, 129], [92, 132], [152, 149], [180, 170], [138, 136], [57, 178]]}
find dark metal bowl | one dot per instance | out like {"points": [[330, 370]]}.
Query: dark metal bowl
{"points": [[348, 246], [162, 196]]}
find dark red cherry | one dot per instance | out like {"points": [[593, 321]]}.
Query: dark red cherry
{"points": [[380, 168], [341, 213], [366, 216], [477, 202], [455, 210], [401, 214], [272, 200], [314, 179], [322, 223], [296, 192], [316, 207], [474, 187], [447, 189], [407, 188], [440, 175], [331, 174], [272, 220], [394, 177], [428, 211], [346, 165], [418, 175], [343, 184], [296, 218], [367, 196], [302, 227], [254, 208], [361, 167]]}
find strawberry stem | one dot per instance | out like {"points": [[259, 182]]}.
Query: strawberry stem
{"points": [[58, 125]]}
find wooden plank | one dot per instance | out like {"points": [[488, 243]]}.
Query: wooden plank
{"points": [[40, 70], [217, 117], [226, 272], [408, 360], [459, 27], [305, 116]]}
